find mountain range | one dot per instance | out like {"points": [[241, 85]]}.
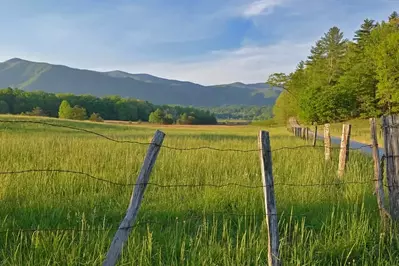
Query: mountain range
{"points": [[30, 76]]}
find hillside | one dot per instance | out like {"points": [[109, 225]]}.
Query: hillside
{"points": [[32, 76]]}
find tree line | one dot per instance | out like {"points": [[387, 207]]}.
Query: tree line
{"points": [[344, 79], [241, 112], [80, 107]]}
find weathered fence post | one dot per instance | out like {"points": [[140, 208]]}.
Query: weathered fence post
{"points": [[306, 133], [270, 202], [344, 150], [315, 136], [327, 142], [390, 126], [378, 177], [125, 227]]}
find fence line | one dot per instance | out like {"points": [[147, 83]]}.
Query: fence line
{"points": [[129, 222]]}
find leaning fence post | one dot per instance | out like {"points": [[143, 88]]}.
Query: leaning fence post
{"points": [[315, 136], [270, 202], [327, 142], [379, 186], [391, 144], [125, 227], [344, 150]]}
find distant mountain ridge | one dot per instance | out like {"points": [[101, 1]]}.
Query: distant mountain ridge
{"points": [[47, 77]]}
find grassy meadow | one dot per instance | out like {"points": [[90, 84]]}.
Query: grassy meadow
{"points": [[192, 225], [360, 131]]}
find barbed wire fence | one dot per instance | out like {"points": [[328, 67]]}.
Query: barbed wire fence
{"points": [[268, 183]]}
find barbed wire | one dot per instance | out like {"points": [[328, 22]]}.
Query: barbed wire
{"points": [[180, 185], [171, 147]]}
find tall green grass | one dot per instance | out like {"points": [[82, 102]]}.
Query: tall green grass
{"points": [[194, 225]]}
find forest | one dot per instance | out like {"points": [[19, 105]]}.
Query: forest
{"points": [[79, 107], [240, 112], [343, 79]]}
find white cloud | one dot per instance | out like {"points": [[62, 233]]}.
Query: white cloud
{"points": [[247, 64], [260, 7]]}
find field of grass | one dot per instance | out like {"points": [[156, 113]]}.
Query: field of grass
{"points": [[190, 225], [360, 131]]}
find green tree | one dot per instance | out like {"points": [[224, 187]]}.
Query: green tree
{"points": [[65, 110], [96, 118], [157, 117], [394, 17], [4, 109], [359, 78], [185, 119], [78, 113], [37, 111], [127, 110]]}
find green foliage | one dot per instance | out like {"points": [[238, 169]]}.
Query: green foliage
{"points": [[156, 117], [160, 117], [65, 110], [37, 111], [17, 101], [78, 113], [344, 79], [240, 112], [127, 110], [185, 119], [386, 57], [75, 113], [94, 117], [278, 80], [4, 109]]}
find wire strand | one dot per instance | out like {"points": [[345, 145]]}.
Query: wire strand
{"points": [[178, 185]]}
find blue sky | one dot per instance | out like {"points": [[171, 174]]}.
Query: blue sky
{"points": [[204, 41]]}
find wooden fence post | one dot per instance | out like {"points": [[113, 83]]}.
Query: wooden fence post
{"points": [[327, 142], [344, 150], [378, 177], [125, 227], [315, 136], [270, 202], [390, 125]]}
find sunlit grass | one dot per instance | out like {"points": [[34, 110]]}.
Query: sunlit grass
{"points": [[360, 131], [197, 225]]}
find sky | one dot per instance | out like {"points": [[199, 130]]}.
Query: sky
{"points": [[203, 41]]}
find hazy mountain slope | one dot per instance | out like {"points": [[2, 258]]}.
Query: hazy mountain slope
{"points": [[61, 79]]}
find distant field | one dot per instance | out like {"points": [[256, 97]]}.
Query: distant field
{"points": [[319, 224]]}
